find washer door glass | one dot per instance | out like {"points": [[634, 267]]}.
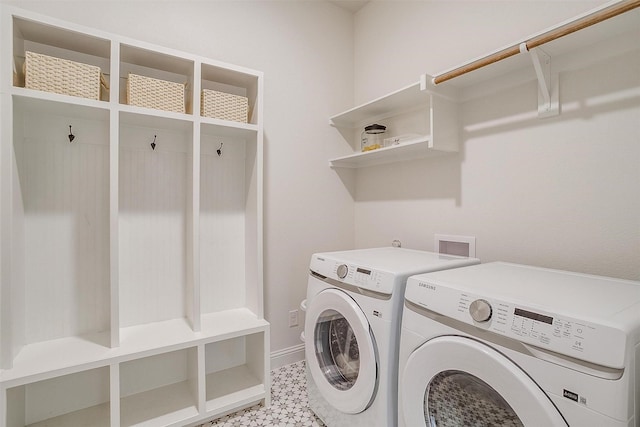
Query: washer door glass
{"points": [[456, 398], [340, 351], [338, 354]]}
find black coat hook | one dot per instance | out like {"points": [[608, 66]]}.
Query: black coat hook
{"points": [[219, 150], [71, 135], [153, 144]]}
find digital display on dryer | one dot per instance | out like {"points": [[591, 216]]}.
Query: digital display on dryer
{"points": [[363, 271], [533, 316]]}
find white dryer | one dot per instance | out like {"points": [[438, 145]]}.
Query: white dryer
{"points": [[512, 345], [352, 330]]}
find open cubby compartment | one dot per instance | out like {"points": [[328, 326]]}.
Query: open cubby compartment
{"points": [[77, 399], [60, 224], [158, 65], [236, 82], [236, 373], [159, 390], [154, 219], [46, 39], [228, 225]]}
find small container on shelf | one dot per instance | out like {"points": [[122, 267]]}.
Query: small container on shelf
{"points": [[153, 93], [225, 106], [57, 75], [372, 137]]}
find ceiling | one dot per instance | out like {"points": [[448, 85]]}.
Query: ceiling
{"points": [[350, 5]]}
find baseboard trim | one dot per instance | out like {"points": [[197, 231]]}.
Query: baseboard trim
{"points": [[287, 356]]}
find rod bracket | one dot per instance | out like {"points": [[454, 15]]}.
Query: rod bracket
{"points": [[548, 90]]}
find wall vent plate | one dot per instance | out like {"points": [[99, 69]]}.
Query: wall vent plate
{"points": [[455, 245]]}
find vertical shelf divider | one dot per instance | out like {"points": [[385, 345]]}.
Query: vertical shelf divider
{"points": [[255, 299], [194, 266], [193, 375], [114, 391], [6, 120], [267, 363], [114, 148], [4, 406], [202, 380], [7, 350]]}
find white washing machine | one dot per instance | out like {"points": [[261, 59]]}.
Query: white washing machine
{"points": [[512, 345], [352, 330]]}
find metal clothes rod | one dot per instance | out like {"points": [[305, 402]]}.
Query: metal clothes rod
{"points": [[541, 39]]}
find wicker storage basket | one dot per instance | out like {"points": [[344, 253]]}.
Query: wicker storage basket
{"points": [[62, 76], [225, 106], [154, 93]]}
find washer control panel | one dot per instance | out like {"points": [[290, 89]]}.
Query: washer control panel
{"points": [[356, 275], [564, 334]]}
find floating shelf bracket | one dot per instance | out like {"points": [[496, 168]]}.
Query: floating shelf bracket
{"points": [[548, 88]]}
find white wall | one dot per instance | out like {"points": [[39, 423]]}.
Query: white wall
{"points": [[560, 192], [305, 50]]}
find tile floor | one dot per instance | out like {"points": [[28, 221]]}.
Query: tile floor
{"points": [[289, 404]]}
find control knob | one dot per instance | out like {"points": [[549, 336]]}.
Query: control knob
{"points": [[342, 271], [480, 310]]}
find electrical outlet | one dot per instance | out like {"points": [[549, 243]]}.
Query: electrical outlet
{"points": [[293, 318]]}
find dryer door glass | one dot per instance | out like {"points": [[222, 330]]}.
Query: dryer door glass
{"points": [[456, 398], [338, 354]]}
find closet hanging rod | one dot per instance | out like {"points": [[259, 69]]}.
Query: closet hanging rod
{"points": [[556, 33]]}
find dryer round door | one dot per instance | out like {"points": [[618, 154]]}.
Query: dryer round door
{"points": [[340, 351], [455, 381]]}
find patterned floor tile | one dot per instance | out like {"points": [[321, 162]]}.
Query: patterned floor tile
{"points": [[289, 404]]}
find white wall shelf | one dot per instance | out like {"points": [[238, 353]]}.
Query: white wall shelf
{"points": [[404, 99], [412, 109], [103, 291], [412, 150]]}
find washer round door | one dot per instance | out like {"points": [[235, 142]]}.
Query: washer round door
{"points": [[340, 351], [454, 381]]}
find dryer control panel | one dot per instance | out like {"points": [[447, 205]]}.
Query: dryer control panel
{"points": [[578, 338], [355, 275]]}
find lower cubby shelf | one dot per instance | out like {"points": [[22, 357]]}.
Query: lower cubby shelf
{"points": [[159, 390], [95, 416], [79, 399], [235, 372], [175, 378], [163, 406], [232, 388]]}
